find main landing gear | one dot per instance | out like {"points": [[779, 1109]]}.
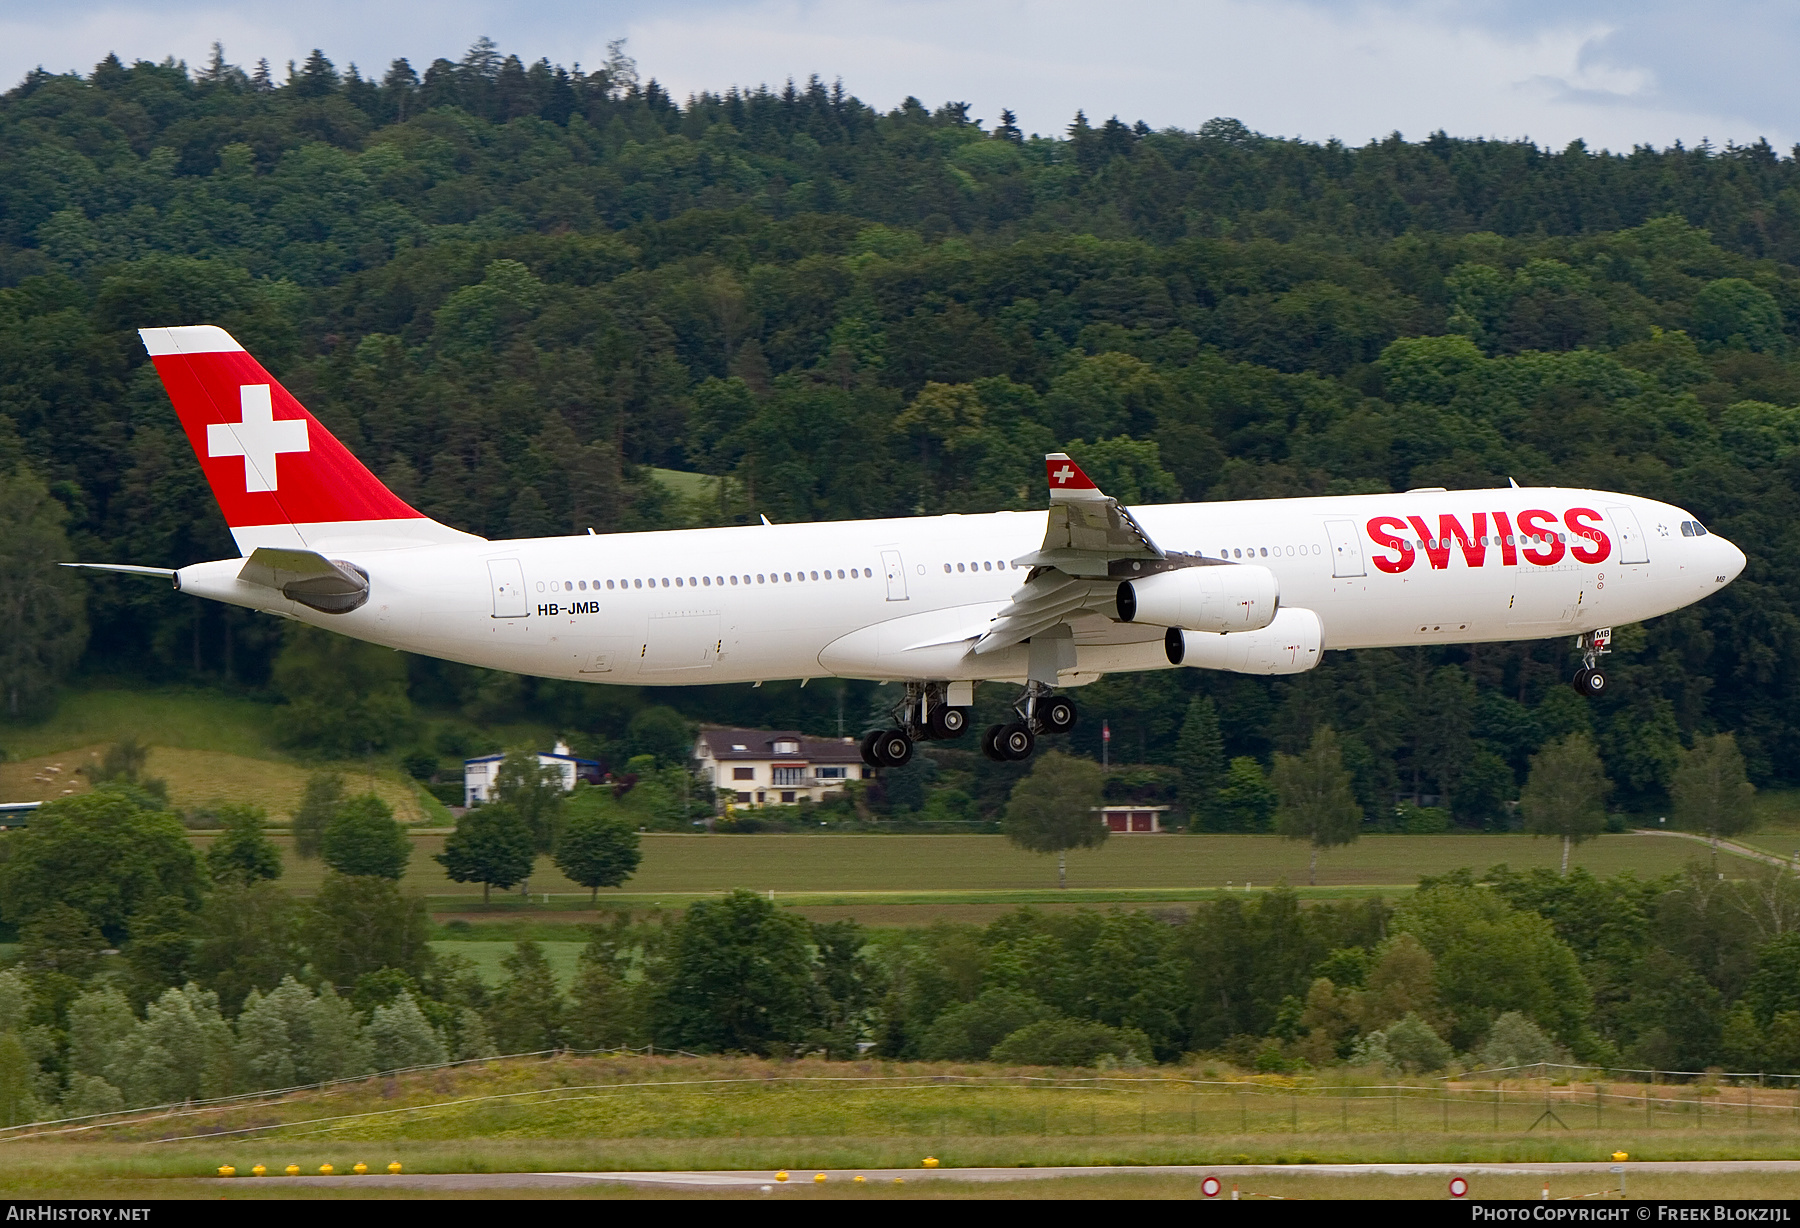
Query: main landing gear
{"points": [[1039, 712], [924, 715], [1589, 679]]}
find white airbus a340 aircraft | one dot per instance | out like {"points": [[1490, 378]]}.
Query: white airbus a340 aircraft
{"points": [[1047, 600]]}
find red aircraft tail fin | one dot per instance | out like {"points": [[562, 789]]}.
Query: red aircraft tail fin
{"points": [[279, 477]]}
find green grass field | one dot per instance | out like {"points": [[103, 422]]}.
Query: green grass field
{"points": [[911, 871], [209, 748], [635, 1112], [561, 954]]}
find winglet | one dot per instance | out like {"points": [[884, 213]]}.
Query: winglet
{"points": [[1068, 484]]}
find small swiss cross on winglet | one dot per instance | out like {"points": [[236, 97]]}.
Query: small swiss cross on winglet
{"points": [[1066, 478]]}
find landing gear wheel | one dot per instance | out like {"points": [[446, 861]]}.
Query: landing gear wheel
{"points": [[947, 723], [893, 748], [1016, 741], [1056, 714], [1590, 682], [868, 747], [990, 743]]}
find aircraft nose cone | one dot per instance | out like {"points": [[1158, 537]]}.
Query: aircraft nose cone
{"points": [[1731, 559]]}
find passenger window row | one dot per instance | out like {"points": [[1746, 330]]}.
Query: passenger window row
{"points": [[1251, 552], [773, 577], [1001, 565]]}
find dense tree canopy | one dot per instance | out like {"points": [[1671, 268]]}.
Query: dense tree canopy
{"points": [[515, 290], [103, 854]]}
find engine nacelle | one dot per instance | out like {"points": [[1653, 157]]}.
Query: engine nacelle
{"points": [[1291, 644], [1234, 598]]}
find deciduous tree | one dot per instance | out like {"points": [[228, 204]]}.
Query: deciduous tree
{"points": [[1710, 791], [598, 850], [490, 846], [534, 791], [364, 839], [1313, 798], [43, 618], [1056, 808], [101, 853], [1566, 793], [324, 793], [241, 853], [737, 977]]}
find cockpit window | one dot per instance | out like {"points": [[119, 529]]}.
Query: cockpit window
{"points": [[1699, 529]]}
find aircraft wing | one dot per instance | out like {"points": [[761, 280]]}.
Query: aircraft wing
{"points": [[1076, 571], [1087, 530]]}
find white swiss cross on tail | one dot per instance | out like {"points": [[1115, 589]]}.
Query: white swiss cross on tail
{"points": [[258, 438], [1067, 481]]}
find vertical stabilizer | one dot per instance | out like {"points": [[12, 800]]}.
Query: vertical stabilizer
{"points": [[280, 478]]}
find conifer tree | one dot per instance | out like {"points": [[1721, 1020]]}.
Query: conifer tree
{"points": [[1200, 760], [337, 1046], [402, 1037], [528, 1009]]}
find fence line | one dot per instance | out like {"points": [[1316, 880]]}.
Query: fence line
{"points": [[1550, 1107], [185, 1108], [1544, 1069]]}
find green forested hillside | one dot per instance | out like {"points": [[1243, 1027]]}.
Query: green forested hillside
{"points": [[513, 290]]}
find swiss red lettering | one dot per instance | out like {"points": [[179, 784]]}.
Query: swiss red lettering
{"points": [[1473, 543], [1534, 524], [1436, 549], [1380, 534], [1537, 539], [1437, 545], [1509, 553], [1600, 544]]}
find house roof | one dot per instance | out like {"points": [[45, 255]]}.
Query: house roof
{"points": [[543, 754], [760, 744]]}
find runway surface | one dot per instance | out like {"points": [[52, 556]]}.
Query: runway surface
{"points": [[837, 1176]]}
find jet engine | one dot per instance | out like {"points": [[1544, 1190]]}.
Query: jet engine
{"points": [[1234, 598], [1291, 644]]}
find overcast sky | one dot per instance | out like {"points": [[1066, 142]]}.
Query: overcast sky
{"points": [[1616, 74]]}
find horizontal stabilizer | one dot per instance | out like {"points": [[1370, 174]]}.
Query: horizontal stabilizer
{"points": [[130, 569], [305, 576]]}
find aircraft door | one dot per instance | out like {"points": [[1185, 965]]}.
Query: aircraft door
{"points": [[895, 571], [507, 579], [1346, 548], [676, 643], [1633, 547]]}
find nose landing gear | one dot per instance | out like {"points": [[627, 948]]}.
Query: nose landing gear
{"points": [[1590, 680]]}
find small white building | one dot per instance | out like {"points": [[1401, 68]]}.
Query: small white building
{"points": [[760, 767], [479, 774]]}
